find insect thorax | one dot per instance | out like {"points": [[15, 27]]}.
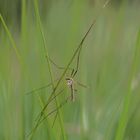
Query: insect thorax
{"points": [[69, 81]]}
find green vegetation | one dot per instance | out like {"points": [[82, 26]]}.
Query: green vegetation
{"points": [[109, 65]]}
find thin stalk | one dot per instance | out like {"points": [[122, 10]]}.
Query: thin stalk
{"points": [[48, 63]]}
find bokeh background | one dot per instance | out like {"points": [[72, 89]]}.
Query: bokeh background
{"points": [[109, 65]]}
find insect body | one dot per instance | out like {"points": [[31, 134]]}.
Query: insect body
{"points": [[70, 84]]}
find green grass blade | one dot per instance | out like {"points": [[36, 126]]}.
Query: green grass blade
{"points": [[48, 63], [10, 38], [124, 116]]}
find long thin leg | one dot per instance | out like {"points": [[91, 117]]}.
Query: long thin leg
{"points": [[37, 89], [72, 93], [40, 88], [82, 85], [57, 66], [77, 66], [72, 72]]}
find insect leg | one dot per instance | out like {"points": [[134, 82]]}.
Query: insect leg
{"points": [[40, 88], [57, 66], [77, 66], [72, 72], [37, 89], [82, 85], [72, 93]]}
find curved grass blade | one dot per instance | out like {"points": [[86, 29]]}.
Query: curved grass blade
{"points": [[48, 63], [39, 116], [10, 38]]}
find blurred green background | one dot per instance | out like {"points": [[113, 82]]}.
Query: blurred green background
{"points": [[109, 65]]}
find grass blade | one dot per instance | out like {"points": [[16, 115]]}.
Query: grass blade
{"points": [[124, 116], [48, 63], [10, 38]]}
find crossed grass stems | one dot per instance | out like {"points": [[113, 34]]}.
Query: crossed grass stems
{"points": [[69, 81]]}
